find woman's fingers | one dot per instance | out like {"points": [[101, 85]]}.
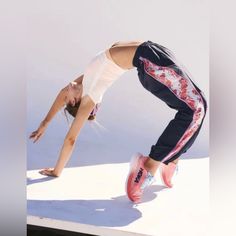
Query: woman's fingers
{"points": [[47, 171], [36, 138], [33, 134]]}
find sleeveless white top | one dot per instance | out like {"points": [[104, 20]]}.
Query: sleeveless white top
{"points": [[99, 75]]}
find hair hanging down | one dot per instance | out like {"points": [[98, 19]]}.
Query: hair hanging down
{"points": [[72, 110]]}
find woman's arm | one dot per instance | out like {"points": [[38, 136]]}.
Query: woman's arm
{"points": [[58, 103], [82, 115]]}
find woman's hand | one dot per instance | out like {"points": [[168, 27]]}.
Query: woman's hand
{"points": [[37, 134], [48, 172]]}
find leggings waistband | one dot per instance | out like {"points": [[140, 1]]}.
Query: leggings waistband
{"points": [[156, 53], [138, 51]]}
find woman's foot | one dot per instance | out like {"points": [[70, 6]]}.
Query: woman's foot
{"points": [[167, 172], [151, 165], [138, 178]]}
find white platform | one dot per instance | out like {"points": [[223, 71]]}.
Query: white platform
{"points": [[91, 199]]}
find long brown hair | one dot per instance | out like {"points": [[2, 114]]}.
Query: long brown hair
{"points": [[72, 110]]}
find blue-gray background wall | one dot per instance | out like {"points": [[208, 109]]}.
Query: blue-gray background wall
{"points": [[62, 36]]}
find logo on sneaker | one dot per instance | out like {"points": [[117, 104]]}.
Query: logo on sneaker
{"points": [[138, 177]]}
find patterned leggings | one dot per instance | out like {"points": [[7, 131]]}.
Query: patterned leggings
{"points": [[160, 74]]}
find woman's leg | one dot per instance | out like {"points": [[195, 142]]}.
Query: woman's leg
{"points": [[179, 93], [160, 75]]}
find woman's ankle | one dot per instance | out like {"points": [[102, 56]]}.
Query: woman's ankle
{"points": [[151, 165], [175, 161]]}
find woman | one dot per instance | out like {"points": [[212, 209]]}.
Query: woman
{"points": [[160, 74]]}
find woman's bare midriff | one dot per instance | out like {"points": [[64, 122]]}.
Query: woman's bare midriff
{"points": [[123, 53]]}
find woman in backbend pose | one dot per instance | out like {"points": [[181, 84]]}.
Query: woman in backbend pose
{"points": [[159, 73]]}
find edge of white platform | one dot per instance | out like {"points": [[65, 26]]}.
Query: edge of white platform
{"points": [[78, 227]]}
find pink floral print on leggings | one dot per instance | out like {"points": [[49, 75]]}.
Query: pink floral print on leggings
{"points": [[183, 88]]}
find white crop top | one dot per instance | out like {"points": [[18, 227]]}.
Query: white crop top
{"points": [[99, 75]]}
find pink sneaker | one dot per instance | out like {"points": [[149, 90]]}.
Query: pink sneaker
{"points": [[167, 172], [138, 178]]}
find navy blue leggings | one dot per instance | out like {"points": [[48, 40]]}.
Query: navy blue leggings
{"points": [[160, 73]]}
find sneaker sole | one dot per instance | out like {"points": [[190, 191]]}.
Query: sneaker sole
{"points": [[131, 173]]}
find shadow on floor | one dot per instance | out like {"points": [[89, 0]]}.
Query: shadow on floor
{"points": [[115, 212]]}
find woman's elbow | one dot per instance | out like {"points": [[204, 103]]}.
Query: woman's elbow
{"points": [[70, 141]]}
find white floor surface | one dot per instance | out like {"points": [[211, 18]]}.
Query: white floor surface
{"points": [[92, 199]]}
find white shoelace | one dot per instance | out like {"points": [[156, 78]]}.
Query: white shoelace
{"points": [[148, 181], [177, 169]]}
